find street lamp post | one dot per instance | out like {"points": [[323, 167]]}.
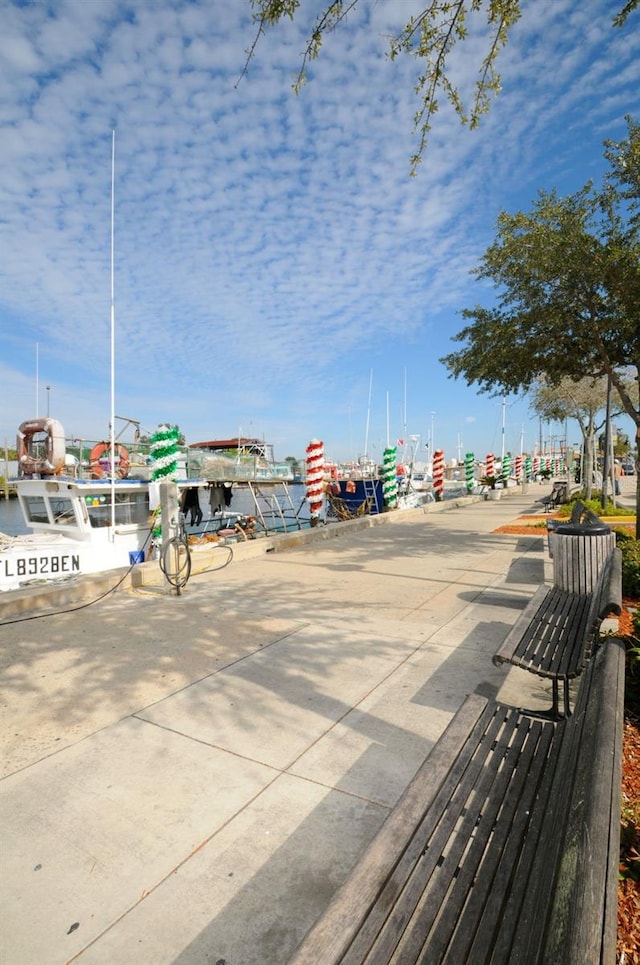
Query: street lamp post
{"points": [[48, 399]]}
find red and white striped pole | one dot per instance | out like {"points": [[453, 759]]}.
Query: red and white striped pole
{"points": [[438, 473], [490, 469], [315, 481], [518, 468]]}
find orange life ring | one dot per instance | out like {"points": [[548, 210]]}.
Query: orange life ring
{"points": [[122, 460]]}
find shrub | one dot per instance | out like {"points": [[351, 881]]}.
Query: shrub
{"points": [[630, 549], [595, 506]]}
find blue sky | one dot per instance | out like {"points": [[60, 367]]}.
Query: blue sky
{"points": [[273, 257]]}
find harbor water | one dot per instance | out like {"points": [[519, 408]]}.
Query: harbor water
{"points": [[11, 520]]}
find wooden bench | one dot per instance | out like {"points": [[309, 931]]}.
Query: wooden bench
{"points": [[504, 848], [559, 494], [554, 636]]}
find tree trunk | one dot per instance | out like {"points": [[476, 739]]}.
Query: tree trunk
{"points": [[587, 460]]}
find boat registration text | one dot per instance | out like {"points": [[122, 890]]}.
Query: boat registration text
{"points": [[41, 565]]}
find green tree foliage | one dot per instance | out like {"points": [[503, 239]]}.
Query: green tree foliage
{"points": [[585, 402], [430, 37], [567, 281]]}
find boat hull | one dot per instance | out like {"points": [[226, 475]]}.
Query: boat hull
{"points": [[44, 558], [74, 530]]}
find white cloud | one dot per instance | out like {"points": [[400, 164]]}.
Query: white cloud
{"points": [[270, 249]]}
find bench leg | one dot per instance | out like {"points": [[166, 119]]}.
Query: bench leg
{"points": [[567, 705], [554, 711]]}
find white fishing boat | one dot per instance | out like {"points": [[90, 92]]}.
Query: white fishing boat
{"points": [[82, 518], [93, 508], [77, 526]]}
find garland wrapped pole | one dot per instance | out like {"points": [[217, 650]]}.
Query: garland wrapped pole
{"points": [[518, 469], [164, 453], [315, 473], [164, 469], [438, 474], [490, 465], [389, 478], [528, 468], [469, 466], [506, 468]]}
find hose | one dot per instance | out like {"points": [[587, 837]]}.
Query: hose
{"points": [[179, 547]]}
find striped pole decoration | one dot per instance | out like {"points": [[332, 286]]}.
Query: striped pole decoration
{"points": [[518, 465], [164, 453], [469, 466], [506, 468], [490, 465], [389, 477], [315, 472], [438, 473], [528, 468]]}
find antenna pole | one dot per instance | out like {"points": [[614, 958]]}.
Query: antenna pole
{"points": [[366, 433], [112, 426]]}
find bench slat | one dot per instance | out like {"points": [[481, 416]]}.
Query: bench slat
{"points": [[529, 869], [521, 940], [546, 638], [404, 881], [555, 635], [482, 876], [333, 933], [453, 860]]}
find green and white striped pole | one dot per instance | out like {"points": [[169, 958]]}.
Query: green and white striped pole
{"points": [[164, 469], [506, 468], [528, 468], [469, 466], [389, 478]]}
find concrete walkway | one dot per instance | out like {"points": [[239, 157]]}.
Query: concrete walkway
{"points": [[188, 779]]}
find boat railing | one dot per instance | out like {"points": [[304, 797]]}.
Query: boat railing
{"points": [[192, 464]]}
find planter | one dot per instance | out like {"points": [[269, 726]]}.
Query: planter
{"points": [[494, 494]]}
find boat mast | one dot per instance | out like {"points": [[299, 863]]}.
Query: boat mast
{"points": [[387, 419], [366, 433], [37, 377], [112, 420]]}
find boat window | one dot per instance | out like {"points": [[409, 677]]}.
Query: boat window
{"points": [[62, 511], [131, 509], [35, 509], [99, 510]]}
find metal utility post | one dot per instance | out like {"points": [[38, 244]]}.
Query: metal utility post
{"points": [[169, 551], [605, 455]]}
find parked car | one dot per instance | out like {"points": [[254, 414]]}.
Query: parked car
{"points": [[628, 469]]}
